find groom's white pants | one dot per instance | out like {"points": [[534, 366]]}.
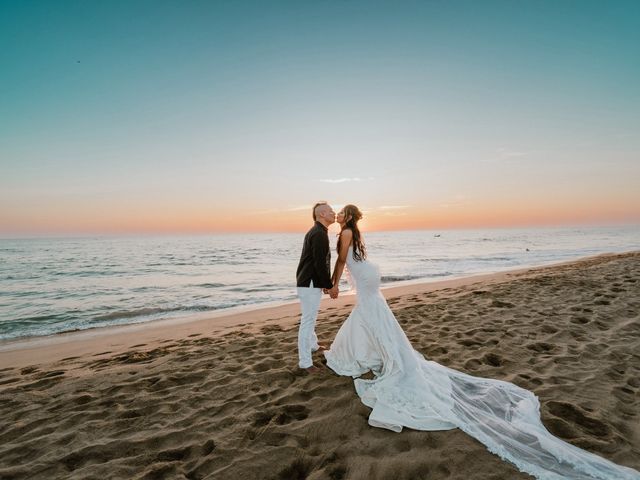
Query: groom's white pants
{"points": [[307, 341]]}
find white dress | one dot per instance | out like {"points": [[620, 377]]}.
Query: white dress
{"points": [[411, 391]]}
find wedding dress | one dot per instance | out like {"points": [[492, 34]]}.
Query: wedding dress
{"points": [[410, 391]]}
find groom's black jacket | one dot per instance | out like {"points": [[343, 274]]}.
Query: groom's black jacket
{"points": [[315, 261]]}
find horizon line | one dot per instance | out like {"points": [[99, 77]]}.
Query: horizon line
{"points": [[44, 235]]}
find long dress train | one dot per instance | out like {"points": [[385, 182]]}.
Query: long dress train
{"points": [[410, 391]]}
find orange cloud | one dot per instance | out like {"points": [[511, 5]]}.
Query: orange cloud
{"points": [[172, 218]]}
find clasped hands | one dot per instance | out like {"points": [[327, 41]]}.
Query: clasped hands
{"points": [[332, 292]]}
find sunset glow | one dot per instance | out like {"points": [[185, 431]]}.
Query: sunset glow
{"points": [[196, 117]]}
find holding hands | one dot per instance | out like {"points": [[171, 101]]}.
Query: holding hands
{"points": [[332, 292]]}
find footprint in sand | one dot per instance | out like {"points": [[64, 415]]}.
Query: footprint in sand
{"points": [[208, 447], [472, 364], [274, 439], [173, 455], [580, 320], [261, 419], [530, 382], [575, 416], [43, 384], [561, 429], [301, 467], [282, 416], [9, 381], [401, 445], [263, 366], [624, 394], [493, 359], [68, 359], [617, 369], [549, 329], [271, 329], [501, 304], [28, 370], [541, 347], [53, 373], [291, 413], [634, 382], [438, 350], [83, 399], [130, 414]]}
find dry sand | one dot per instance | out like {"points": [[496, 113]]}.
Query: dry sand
{"points": [[222, 397]]}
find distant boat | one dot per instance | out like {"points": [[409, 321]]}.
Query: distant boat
{"points": [[437, 235]]}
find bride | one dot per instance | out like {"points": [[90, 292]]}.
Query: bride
{"points": [[410, 391]]}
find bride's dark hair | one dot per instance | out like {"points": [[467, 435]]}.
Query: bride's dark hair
{"points": [[352, 214]]}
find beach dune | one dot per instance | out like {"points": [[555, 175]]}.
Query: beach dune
{"points": [[222, 398]]}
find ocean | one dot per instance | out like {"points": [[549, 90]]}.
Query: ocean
{"points": [[52, 285]]}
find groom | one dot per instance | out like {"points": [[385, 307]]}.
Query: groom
{"points": [[312, 278]]}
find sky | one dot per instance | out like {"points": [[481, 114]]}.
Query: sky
{"points": [[215, 116]]}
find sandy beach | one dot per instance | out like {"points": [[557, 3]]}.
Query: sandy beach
{"points": [[221, 397]]}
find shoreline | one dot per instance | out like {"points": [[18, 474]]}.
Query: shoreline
{"points": [[187, 315], [115, 338]]}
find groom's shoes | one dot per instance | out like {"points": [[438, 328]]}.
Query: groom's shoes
{"points": [[321, 348]]}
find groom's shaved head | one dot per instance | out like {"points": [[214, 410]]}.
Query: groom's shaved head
{"points": [[317, 208]]}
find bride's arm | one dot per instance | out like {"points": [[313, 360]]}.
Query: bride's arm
{"points": [[345, 241]]}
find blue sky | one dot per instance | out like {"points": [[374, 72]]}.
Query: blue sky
{"points": [[218, 115]]}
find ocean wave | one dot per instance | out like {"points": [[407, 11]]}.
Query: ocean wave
{"points": [[399, 278], [489, 259], [439, 274], [25, 293], [264, 288], [88, 273], [35, 319], [55, 285], [467, 259], [404, 278], [129, 313], [255, 288], [146, 312], [62, 323]]}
